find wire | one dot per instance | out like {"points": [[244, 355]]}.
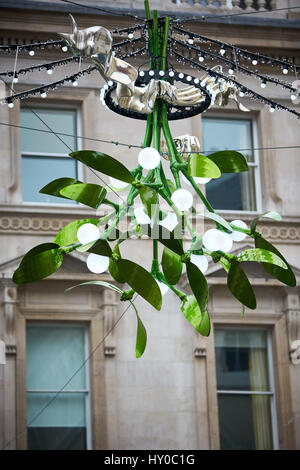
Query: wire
{"points": [[110, 12], [70, 379]]}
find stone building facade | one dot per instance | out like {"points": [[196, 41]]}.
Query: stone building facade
{"points": [[238, 388]]}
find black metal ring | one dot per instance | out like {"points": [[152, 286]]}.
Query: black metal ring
{"points": [[181, 112]]}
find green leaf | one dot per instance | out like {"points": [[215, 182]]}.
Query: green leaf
{"points": [[218, 218], [54, 188], [104, 163], [141, 335], [284, 275], [113, 267], [171, 265], [149, 198], [201, 166], [97, 283], [198, 285], [192, 313], [165, 237], [100, 247], [68, 235], [39, 263], [91, 195], [240, 286], [229, 161], [225, 264], [141, 281], [261, 255], [271, 215]]}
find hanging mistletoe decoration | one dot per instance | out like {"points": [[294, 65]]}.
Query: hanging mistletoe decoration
{"points": [[157, 95]]}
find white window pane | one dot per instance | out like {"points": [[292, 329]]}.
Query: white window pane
{"points": [[241, 360], [59, 120], [39, 171], [53, 354]]}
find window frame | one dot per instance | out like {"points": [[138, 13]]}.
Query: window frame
{"points": [[80, 173], [272, 390], [87, 390], [256, 158]]}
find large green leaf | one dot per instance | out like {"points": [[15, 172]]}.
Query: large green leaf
{"points": [[270, 214], [284, 275], [113, 267], [39, 263], [100, 247], [201, 166], [141, 281], [229, 161], [57, 185], [149, 198], [68, 235], [240, 286], [141, 335], [198, 285], [192, 313], [89, 194], [165, 237], [104, 163], [261, 255], [171, 265]]}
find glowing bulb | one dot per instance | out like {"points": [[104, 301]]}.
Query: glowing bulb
{"points": [[200, 180], [110, 83], [201, 58], [263, 84], [10, 105], [49, 71], [181, 75], [231, 71], [254, 62], [163, 287], [31, 53], [200, 261], [75, 83], [272, 110], [189, 78], [196, 81], [64, 48], [182, 199], [98, 264], [15, 80], [222, 51], [149, 158], [293, 97], [241, 93], [130, 36], [191, 41], [238, 236], [161, 73], [44, 95], [169, 222], [141, 216], [117, 183], [141, 73], [87, 233], [171, 74], [151, 73], [215, 240], [285, 71]]}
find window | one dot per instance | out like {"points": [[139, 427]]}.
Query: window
{"points": [[54, 353], [245, 389], [44, 156], [232, 191]]}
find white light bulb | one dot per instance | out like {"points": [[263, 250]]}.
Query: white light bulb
{"points": [[238, 236], [196, 81], [64, 48], [110, 83], [201, 58], [15, 80], [97, 263], [161, 73], [163, 287], [75, 83], [171, 73], [117, 183], [151, 73], [241, 93], [182, 199], [149, 158], [49, 71], [200, 180], [215, 240], [200, 261], [293, 97], [285, 71], [141, 73], [169, 222], [231, 71], [181, 75], [31, 53], [272, 110], [222, 51], [191, 41], [130, 36], [87, 233], [44, 95], [141, 216], [10, 105], [189, 78], [263, 84], [254, 62]]}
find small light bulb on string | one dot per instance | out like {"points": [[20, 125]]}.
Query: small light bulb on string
{"points": [[118, 184], [151, 73], [11, 105], [161, 73], [241, 94], [222, 51], [74, 83], [191, 40], [201, 58], [110, 83], [163, 287], [263, 84], [31, 52], [141, 216], [238, 236], [169, 222], [149, 158], [130, 36], [272, 110], [49, 71], [254, 62], [15, 80], [64, 48], [97, 264], [215, 240], [200, 261], [171, 74], [182, 199], [293, 97], [44, 95], [285, 71], [88, 233], [231, 71]]}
